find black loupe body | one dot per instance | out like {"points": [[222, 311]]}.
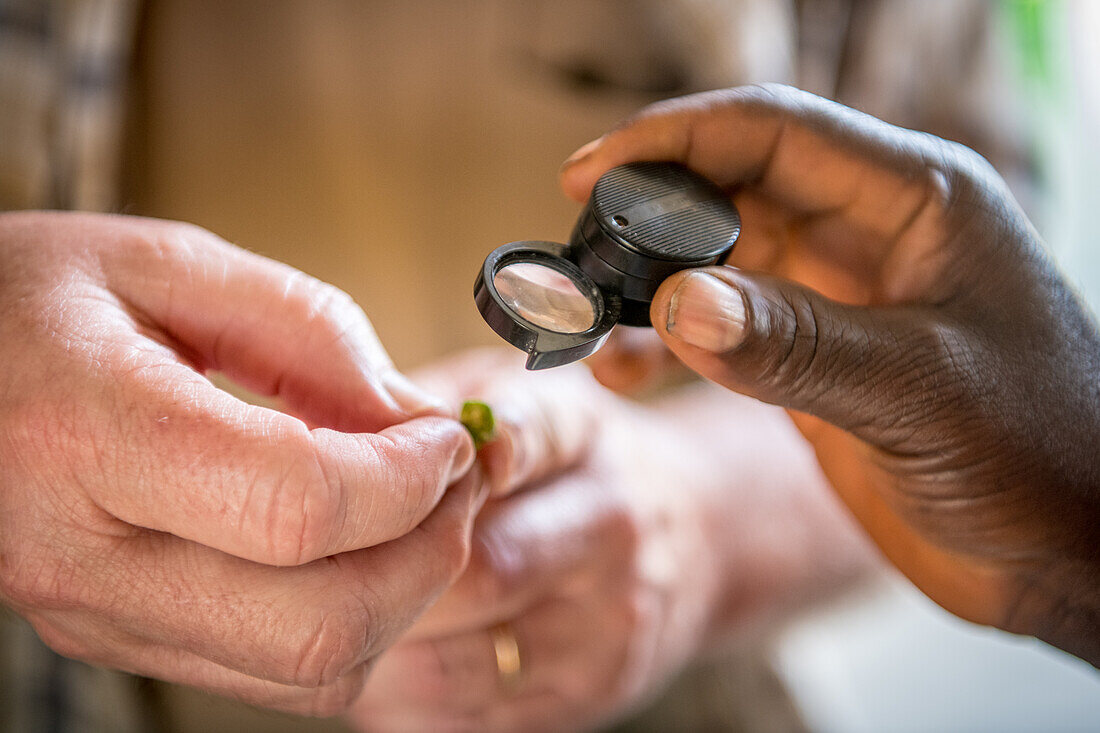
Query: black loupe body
{"points": [[643, 222]]}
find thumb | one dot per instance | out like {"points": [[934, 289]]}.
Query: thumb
{"points": [[873, 371]]}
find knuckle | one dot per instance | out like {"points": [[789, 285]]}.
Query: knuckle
{"points": [[784, 332], [167, 241], [970, 172], [188, 235], [769, 95], [295, 506], [938, 185], [963, 181], [333, 648], [327, 310], [187, 231], [945, 362]]}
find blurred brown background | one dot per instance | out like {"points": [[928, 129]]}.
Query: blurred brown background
{"points": [[387, 145]]}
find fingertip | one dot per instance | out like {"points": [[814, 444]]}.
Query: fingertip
{"points": [[707, 313], [438, 449], [473, 485], [577, 183], [577, 175], [658, 307], [465, 456], [482, 488], [582, 153]]}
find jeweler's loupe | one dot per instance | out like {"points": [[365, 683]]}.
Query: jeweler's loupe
{"points": [[643, 222]]}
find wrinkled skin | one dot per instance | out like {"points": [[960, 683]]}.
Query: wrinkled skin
{"points": [[892, 295], [620, 545], [152, 523]]}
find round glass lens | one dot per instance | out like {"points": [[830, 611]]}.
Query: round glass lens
{"points": [[545, 297]]}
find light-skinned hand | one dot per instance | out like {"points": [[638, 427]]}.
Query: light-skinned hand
{"points": [[152, 523]]}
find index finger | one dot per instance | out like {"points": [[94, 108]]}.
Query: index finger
{"points": [[814, 156], [267, 326]]}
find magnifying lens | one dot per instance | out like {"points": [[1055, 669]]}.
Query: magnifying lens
{"points": [[643, 222]]}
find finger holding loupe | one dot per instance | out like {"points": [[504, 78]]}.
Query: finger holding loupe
{"points": [[644, 222]]}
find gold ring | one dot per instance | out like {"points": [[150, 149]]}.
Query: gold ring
{"points": [[506, 648]]}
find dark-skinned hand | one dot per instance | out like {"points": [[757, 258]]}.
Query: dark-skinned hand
{"points": [[890, 292]]}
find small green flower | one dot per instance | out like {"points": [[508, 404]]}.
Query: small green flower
{"points": [[478, 419]]}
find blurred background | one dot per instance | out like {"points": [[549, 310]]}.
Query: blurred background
{"points": [[387, 145]]}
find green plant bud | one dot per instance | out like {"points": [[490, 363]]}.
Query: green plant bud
{"points": [[478, 419]]}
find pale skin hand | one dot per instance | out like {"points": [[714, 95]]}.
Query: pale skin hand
{"points": [[625, 550], [152, 523], [895, 298]]}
